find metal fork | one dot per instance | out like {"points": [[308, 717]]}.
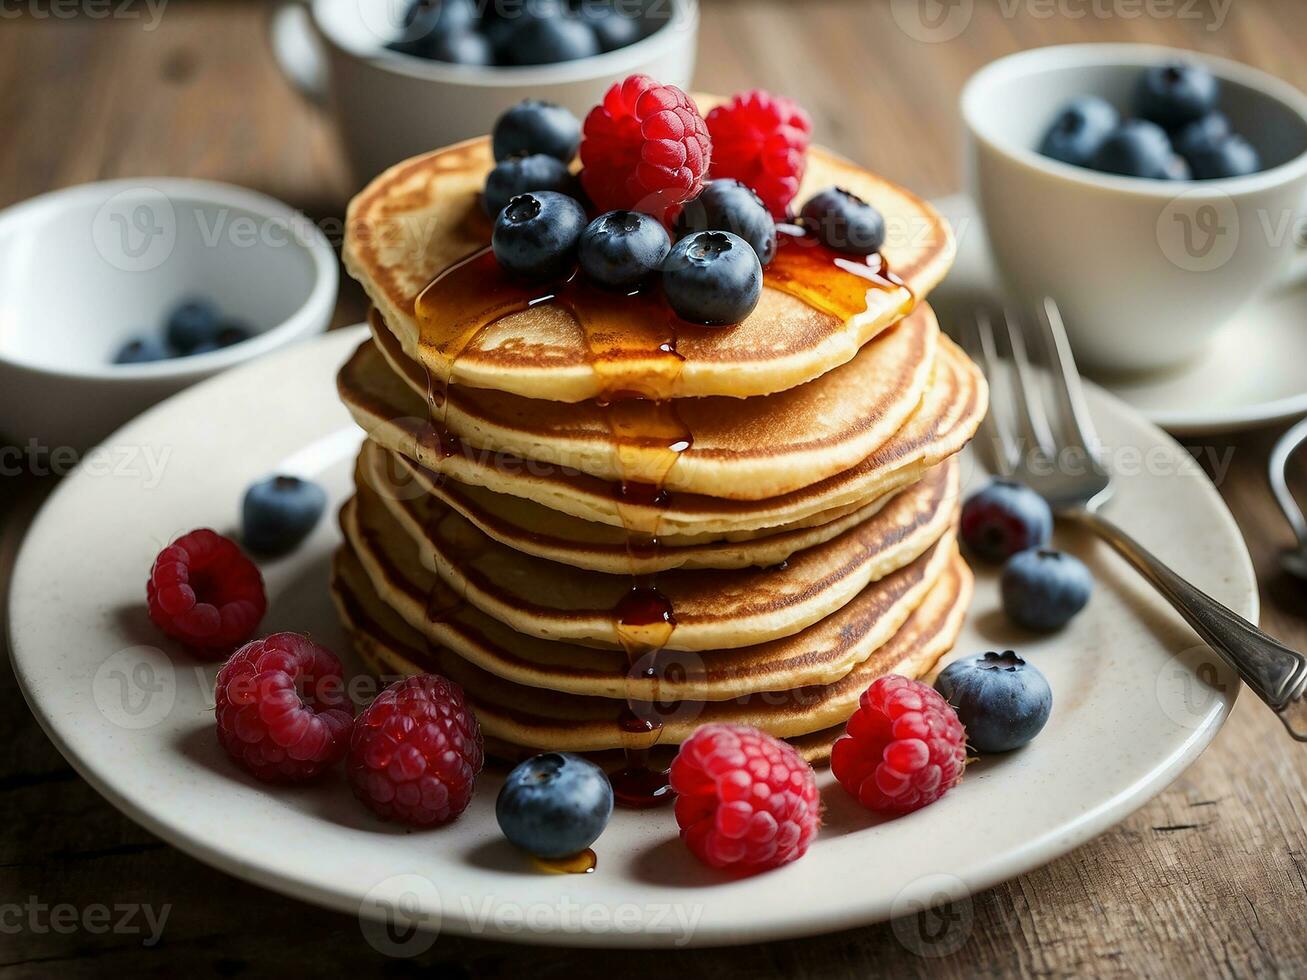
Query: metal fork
{"points": [[1057, 454]]}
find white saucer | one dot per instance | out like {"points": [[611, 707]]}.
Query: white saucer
{"points": [[133, 714], [1251, 375]]}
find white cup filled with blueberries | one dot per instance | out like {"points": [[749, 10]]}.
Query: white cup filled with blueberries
{"points": [[405, 76], [1150, 191]]}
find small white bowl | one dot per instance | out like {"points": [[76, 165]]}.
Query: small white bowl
{"points": [[1146, 272], [86, 269], [391, 106]]}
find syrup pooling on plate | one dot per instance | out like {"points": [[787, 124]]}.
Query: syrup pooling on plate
{"points": [[577, 864]]}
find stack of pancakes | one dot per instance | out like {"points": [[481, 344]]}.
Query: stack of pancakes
{"points": [[782, 494]]}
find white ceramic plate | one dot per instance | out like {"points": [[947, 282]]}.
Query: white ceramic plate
{"points": [[1251, 374], [133, 714]]}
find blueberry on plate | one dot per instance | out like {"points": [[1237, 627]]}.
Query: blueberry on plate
{"points": [[727, 204], [1079, 130], [1043, 589], [141, 350], [1174, 94], [554, 805], [1002, 701], [844, 222], [521, 175], [550, 41], [533, 126], [191, 324], [279, 512], [613, 28], [623, 248], [1233, 156], [1005, 517], [1139, 148], [536, 235], [1201, 134], [713, 278]]}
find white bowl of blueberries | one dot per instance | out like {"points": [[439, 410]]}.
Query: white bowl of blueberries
{"points": [[405, 76], [1148, 190], [119, 293]]}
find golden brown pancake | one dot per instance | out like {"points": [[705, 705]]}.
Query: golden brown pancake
{"points": [[715, 609], [424, 215], [821, 654], [397, 419], [531, 529], [746, 449], [539, 719]]}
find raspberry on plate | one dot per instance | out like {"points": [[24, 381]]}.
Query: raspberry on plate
{"points": [[762, 140], [204, 592], [415, 752], [903, 748], [281, 708], [644, 148], [745, 801]]}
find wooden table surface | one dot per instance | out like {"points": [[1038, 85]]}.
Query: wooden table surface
{"points": [[1209, 878]]}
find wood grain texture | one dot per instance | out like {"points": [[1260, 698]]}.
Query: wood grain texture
{"points": [[1208, 879]]}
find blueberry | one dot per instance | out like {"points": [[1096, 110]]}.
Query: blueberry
{"points": [[1005, 517], [1044, 589], [1175, 94], [207, 347], [1138, 148], [1002, 701], [279, 512], [1233, 156], [191, 324], [141, 350], [623, 248], [460, 48], [521, 175], [1201, 134], [712, 277], [1079, 130], [547, 42], [612, 28], [427, 23], [232, 332], [554, 805], [729, 205], [536, 235], [533, 126], [844, 222]]}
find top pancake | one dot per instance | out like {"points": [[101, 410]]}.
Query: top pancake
{"points": [[424, 215]]}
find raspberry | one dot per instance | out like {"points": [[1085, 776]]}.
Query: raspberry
{"points": [[203, 591], [645, 148], [746, 801], [282, 710], [762, 140], [903, 748], [415, 752]]}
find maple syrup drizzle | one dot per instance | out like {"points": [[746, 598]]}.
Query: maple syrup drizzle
{"points": [[575, 864], [638, 374]]}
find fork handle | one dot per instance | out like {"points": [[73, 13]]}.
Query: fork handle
{"points": [[1276, 674]]}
